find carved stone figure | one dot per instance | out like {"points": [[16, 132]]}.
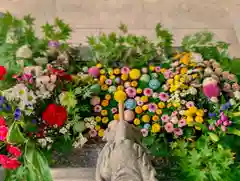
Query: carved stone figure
{"points": [[123, 158]]}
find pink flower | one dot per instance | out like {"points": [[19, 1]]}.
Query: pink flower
{"points": [[167, 74], [174, 113], [236, 87], [175, 64], [152, 107], [169, 127], [232, 77], [148, 92], [165, 118], [3, 133], [2, 121], [211, 128], [225, 75], [226, 87], [189, 104], [144, 132], [125, 70], [108, 82], [95, 100], [97, 108], [165, 87], [92, 133], [94, 71], [140, 103], [144, 70], [210, 87], [114, 110], [219, 122], [174, 119], [127, 84], [223, 128], [13, 150], [131, 92], [178, 132], [182, 123], [158, 69], [163, 96]]}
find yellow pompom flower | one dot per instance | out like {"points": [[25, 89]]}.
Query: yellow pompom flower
{"points": [[112, 77], [116, 71], [138, 110], [105, 120], [183, 70], [108, 97], [102, 71], [145, 118], [145, 107], [139, 90], [162, 70], [120, 96], [98, 118], [124, 77], [135, 74], [155, 118], [104, 87], [105, 103], [200, 112], [193, 110], [144, 99], [156, 128], [97, 127], [116, 116], [136, 121], [102, 79], [134, 83], [120, 87], [161, 105], [170, 81], [158, 111], [104, 112], [177, 77], [199, 119], [101, 132], [99, 65], [190, 121]]}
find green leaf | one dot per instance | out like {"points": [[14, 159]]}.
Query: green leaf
{"points": [[213, 137], [148, 141], [234, 131], [15, 135]]}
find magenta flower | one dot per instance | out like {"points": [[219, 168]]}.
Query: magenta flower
{"points": [[114, 110], [144, 132], [223, 117], [131, 92], [125, 70], [163, 96], [148, 92], [189, 104], [182, 123], [169, 127], [152, 107], [97, 108], [165, 118], [211, 88], [158, 69], [178, 132], [92, 133], [108, 82]]}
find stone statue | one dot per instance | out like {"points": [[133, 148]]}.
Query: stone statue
{"points": [[123, 158]]}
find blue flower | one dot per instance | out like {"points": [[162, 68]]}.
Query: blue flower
{"points": [[147, 126], [17, 114], [1, 100], [34, 121], [7, 107], [212, 115]]}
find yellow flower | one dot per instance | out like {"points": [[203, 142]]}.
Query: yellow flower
{"points": [[136, 121], [104, 112], [124, 77], [98, 118], [200, 112], [190, 121], [120, 96], [97, 127], [192, 110], [187, 113], [120, 87], [102, 79], [177, 77], [183, 70], [185, 59], [134, 83], [108, 96], [138, 110], [135, 74], [158, 111], [102, 71], [104, 87], [194, 76], [155, 118], [176, 104], [145, 107], [144, 99], [112, 77], [116, 117], [116, 71], [99, 65], [110, 72], [197, 128], [105, 120], [182, 79], [161, 105], [105, 103], [193, 64], [101, 132], [162, 70], [156, 128], [169, 105], [199, 119], [170, 81], [152, 68], [145, 118], [177, 56], [139, 90]]}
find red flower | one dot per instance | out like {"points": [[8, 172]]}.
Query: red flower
{"points": [[3, 133], [3, 72], [2, 121], [55, 114], [60, 73], [9, 163], [13, 150]]}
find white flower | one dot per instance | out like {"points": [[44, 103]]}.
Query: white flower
{"points": [[63, 130], [174, 120], [42, 142], [196, 57], [232, 101], [48, 139], [80, 141], [237, 95], [208, 71], [214, 99], [67, 126], [181, 112], [192, 90], [24, 52]]}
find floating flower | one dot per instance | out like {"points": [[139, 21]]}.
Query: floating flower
{"points": [[3, 72], [94, 71], [140, 103], [165, 118], [136, 121], [154, 84], [158, 69], [148, 92], [155, 118], [131, 92], [139, 91], [105, 120], [105, 103], [161, 105], [134, 83], [127, 84], [155, 95], [9, 163], [92, 133], [108, 82], [210, 87], [235, 87], [232, 77], [116, 116], [169, 127], [182, 123], [101, 132], [129, 115], [163, 96], [226, 87], [130, 104], [145, 107], [152, 107], [120, 96], [114, 110], [97, 108], [144, 70], [104, 112], [118, 80], [145, 118], [125, 70], [144, 132], [174, 119], [135, 74], [2, 121], [138, 110], [98, 118], [156, 128], [178, 132], [116, 71], [167, 74], [124, 77], [158, 111]]}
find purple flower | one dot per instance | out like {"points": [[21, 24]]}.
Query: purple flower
{"points": [[17, 114], [53, 43], [152, 107], [140, 103], [1, 100], [163, 96]]}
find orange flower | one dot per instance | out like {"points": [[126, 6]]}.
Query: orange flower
{"points": [[185, 59], [104, 87], [134, 83], [155, 118], [102, 79], [105, 103], [159, 111], [108, 97], [138, 110], [116, 117]]}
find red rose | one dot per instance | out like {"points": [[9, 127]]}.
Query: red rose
{"points": [[9, 163], [13, 150], [60, 73], [2, 121], [2, 72], [3, 133], [55, 115]]}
